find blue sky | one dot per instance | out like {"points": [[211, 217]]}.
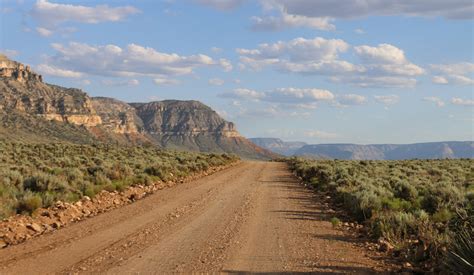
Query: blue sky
{"points": [[315, 71]]}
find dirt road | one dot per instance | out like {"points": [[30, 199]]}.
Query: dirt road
{"points": [[253, 217]]}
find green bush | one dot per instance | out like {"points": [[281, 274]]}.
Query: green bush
{"points": [[37, 175], [427, 202]]}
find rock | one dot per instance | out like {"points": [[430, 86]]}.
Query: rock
{"points": [[56, 225], [35, 227], [3, 243], [86, 198]]}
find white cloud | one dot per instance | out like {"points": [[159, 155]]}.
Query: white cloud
{"points": [[245, 94], [381, 66], [129, 82], [225, 5], [454, 69], [299, 55], [133, 60], [456, 73], [387, 99], [216, 50], [225, 64], [55, 71], [298, 96], [283, 97], [285, 20], [165, 81], [454, 9], [388, 59], [439, 80], [375, 81], [461, 101], [216, 81], [53, 14], [350, 100], [44, 32], [435, 100], [359, 31]]}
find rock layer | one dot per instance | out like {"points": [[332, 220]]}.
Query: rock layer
{"points": [[181, 125]]}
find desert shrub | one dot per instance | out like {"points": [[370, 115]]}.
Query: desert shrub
{"points": [[423, 202], [29, 202], [37, 175]]}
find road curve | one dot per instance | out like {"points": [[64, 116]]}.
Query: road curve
{"points": [[253, 217]]}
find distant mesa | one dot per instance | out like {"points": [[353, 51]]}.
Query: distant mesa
{"points": [[429, 150], [33, 110]]}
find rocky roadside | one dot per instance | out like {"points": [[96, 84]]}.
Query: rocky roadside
{"points": [[376, 248], [19, 228]]}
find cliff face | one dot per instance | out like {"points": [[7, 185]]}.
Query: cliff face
{"points": [[22, 90], [191, 125], [29, 107], [17, 71], [184, 118], [117, 116]]}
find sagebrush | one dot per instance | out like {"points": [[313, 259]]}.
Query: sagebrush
{"points": [[417, 205], [37, 175]]}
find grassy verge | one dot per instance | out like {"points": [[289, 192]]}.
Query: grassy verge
{"points": [[38, 175], [419, 206]]}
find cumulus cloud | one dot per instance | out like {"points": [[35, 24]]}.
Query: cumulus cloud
{"points": [[225, 5], [462, 102], [454, 9], [298, 96], [121, 82], [285, 20], [381, 66], [130, 61], [367, 81], [456, 73], [436, 100], [216, 81], [59, 72], [225, 64], [350, 100], [439, 80], [53, 14], [165, 81], [244, 94], [283, 98], [387, 99], [44, 31], [300, 55]]}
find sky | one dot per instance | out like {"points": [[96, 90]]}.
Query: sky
{"points": [[319, 71]]}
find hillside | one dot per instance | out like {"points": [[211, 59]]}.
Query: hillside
{"points": [[31, 110]]}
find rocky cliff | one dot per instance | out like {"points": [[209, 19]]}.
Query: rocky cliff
{"points": [[31, 109], [194, 126]]}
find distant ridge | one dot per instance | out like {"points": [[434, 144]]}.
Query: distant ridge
{"points": [[427, 150], [31, 110]]}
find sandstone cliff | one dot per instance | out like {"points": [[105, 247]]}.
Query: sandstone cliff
{"points": [[31, 108]]}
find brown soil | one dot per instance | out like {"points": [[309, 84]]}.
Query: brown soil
{"points": [[253, 217]]}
